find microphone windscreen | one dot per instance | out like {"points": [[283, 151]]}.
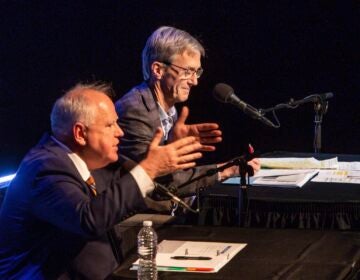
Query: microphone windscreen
{"points": [[222, 92], [329, 95]]}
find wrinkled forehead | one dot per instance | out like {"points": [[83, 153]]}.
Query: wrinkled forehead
{"points": [[187, 53]]}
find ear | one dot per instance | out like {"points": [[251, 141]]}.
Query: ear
{"points": [[80, 135], [157, 70]]}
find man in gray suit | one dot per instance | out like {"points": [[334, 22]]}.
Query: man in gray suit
{"points": [[171, 63]]}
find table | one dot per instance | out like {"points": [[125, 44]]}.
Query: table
{"points": [[314, 206], [270, 253]]}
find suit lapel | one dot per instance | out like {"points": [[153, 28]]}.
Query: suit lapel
{"points": [[49, 144]]}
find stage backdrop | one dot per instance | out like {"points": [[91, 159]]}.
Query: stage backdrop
{"points": [[268, 51]]}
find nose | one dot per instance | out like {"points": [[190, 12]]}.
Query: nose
{"points": [[194, 80], [118, 131]]}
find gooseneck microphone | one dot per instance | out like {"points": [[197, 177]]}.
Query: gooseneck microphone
{"points": [[173, 197], [225, 94], [312, 98]]}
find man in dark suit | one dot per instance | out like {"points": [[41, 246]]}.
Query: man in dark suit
{"points": [[54, 220], [171, 62]]}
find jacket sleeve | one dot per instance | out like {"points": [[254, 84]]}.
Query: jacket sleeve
{"points": [[63, 200]]}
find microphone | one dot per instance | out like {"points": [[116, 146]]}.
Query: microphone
{"points": [[173, 197], [225, 94], [312, 98]]}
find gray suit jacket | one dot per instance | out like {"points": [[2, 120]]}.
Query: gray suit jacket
{"points": [[139, 118]]}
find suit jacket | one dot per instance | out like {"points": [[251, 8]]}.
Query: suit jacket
{"points": [[139, 118], [50, 223]]}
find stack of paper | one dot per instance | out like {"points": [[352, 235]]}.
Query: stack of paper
{"points": [[284, 177], [299, 163], [295, 172], [190, 256], [338, 176]]}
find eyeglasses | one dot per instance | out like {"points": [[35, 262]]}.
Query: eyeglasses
{"points": [[188, 72]]}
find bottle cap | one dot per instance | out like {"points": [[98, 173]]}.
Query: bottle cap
{"points": [[147, 223]]}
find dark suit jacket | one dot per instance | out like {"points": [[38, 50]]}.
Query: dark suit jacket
{"points": [[139, 118], [50, 223]]}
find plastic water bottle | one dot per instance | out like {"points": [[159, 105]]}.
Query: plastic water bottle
{"points": [[147, 247]]}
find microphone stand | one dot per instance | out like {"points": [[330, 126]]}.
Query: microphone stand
{"points": [[244, 169], [320, 107]]}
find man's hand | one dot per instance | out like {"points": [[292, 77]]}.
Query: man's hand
{"points": [[255, 164], [205, 133], [234, 170], [162, 160]]}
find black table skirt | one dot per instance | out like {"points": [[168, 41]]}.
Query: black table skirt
{"points": [[303, 215]]}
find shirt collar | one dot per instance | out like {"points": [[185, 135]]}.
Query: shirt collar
{"points": [[167, 119], [164, 115], [78, 162]]}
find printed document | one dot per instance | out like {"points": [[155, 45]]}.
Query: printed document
{"points": [[299, 163], [338, 176], [191, 256], [283, 177], [278, 177]]}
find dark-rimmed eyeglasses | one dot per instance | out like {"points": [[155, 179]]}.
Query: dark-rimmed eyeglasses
{"points": [[188, 72]]}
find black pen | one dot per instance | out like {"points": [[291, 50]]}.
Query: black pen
{"points": [[190, 258]]}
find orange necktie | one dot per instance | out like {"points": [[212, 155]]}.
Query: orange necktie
{"points": [[91, 184]]}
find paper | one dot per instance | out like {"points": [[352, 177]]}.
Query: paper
{"points": [[278, 177], [352, 165], [328, 171], [283, 177], [219, 252], [299, 163], [338, 176]]}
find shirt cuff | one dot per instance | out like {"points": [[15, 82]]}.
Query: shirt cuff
{"points": [[146, 185]]}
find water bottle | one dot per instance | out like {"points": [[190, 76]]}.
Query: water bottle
{"points": [[147, 246]]}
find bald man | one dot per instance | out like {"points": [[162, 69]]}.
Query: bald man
{"points": [[54, 219]]}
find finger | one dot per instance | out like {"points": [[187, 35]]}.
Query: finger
{"points": [[255, 166], [207, 148], [157, 138], [186, 165], [211, 140], [210, 133], [183, 115], [207, 126], [188, 149], [188, 158], [184, 142]]}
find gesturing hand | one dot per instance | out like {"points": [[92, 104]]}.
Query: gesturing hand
{"points": [[162, 160], [205, 133]]}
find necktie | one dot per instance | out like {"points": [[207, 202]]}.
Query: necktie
{"points": [[91, 184]]}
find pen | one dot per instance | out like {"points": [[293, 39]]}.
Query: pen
{"points": [[171, 268], [225, 249], [190, 258], [175, 268], [199, 269]]}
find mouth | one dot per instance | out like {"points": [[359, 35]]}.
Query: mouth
{"points": [[186, 90]]}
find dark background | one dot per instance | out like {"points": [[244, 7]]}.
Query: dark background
{"points": [[268, 51]]}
